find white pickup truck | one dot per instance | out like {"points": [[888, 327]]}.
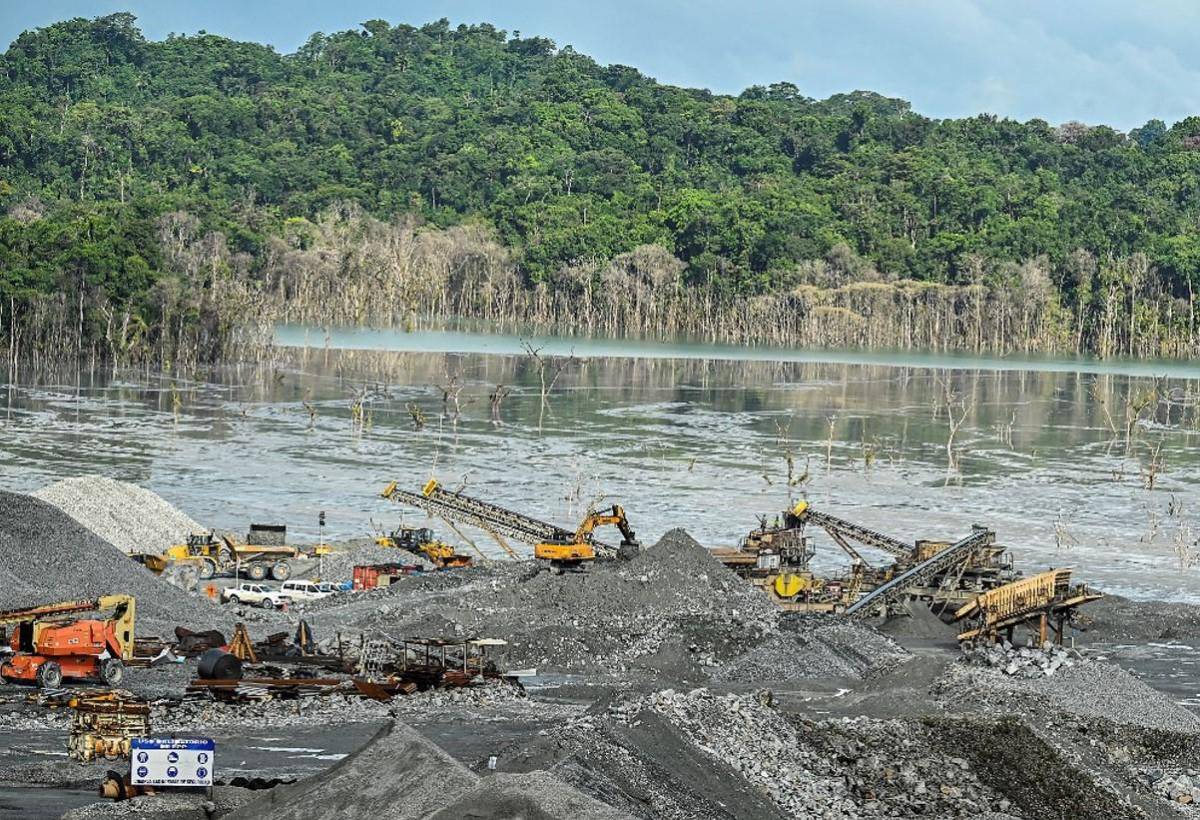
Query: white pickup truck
{"points": [[255, 594]]}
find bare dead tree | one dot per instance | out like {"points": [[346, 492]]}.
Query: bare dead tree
{"points": [[957, 409], [450, 396], [417, 415], [1153, 467], [1185, 546], [831, 422], [495, 399], [549, 369], [311, 409]]}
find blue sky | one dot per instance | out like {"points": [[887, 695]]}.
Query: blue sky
{"points": [[1098, 61]]}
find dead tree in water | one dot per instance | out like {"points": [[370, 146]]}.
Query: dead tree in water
{"points": [[549, 370], [450, 393], [495, 398], [957, 410]]}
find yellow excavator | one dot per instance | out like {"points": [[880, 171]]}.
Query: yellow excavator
{"points": [[571, 553]]}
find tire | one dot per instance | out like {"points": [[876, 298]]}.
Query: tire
{"points": [[208, 568], [225, 557], [281, 570], [49, 675], [112, 671], [256, 572], [266, 603], [235, 600]]}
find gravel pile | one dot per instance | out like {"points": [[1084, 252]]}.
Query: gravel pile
{"points": [[1089, 689], [850, 768], [47, 556], [816, 647], [130, 517], [1024, 662], [1178, 787], [673, 611]]}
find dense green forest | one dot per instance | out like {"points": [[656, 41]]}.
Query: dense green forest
{"points": [[157, 191]]}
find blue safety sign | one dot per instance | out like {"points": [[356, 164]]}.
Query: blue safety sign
{"points": [[172, 761]]}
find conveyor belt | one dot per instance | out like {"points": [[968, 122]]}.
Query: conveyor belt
{"points": [[491, 518], [840, 527], [921, 574]]}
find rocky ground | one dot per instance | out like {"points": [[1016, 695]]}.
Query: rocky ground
{"points": [[665, 687]]}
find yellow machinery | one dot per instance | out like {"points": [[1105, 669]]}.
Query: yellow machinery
{"points": [[52, 642], [1047, 599], [573, 552], [420, 541], [207, 554], [103, 726], [563, 548]]}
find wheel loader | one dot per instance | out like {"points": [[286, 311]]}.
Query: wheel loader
{"points": [[420, 541]]}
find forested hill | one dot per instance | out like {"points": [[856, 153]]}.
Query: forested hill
{"points": [[104, 134]]}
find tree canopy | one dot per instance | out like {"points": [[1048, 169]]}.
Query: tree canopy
{"points": [[103, 131]]}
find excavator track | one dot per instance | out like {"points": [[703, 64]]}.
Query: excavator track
{"points": [[491, 518]]}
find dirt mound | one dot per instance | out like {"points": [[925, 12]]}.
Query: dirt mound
{"points": [[46, 556], [130, 517]]}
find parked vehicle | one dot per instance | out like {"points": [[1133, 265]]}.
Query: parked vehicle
{"points": [[300, 591], [255, 594]]}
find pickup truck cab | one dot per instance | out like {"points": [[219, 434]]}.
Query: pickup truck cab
{"points": [[255, 594], [301, 591]]}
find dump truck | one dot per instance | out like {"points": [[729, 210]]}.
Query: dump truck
{"points": [[264, 552]]}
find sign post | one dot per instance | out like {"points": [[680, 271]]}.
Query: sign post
{"points": [[167, 762]]}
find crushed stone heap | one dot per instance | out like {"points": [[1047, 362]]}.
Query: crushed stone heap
{"points": [[47, 556], [130, 517], [401, 775]]}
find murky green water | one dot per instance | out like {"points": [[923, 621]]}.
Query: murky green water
{"points": [[682, 435]]}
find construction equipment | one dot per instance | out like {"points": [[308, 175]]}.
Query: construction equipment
{"points": [[420, 541], [501, 523], [264, 552], [1047, 599], [103, 725], [922, 574], [571, 553], [51, 642]]}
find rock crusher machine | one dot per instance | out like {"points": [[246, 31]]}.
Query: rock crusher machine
{"points": [[52, 642]]}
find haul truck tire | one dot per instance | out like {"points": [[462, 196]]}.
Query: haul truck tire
{"points": [[256, 572], [281, 570]]}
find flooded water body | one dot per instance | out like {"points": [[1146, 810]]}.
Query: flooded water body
{"points": [[683, 435]]}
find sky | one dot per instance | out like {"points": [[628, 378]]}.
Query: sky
{"points": [[1097, 61]]}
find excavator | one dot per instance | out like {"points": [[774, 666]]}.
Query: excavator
{"points": [[51, 642], [420, 541], [561, 548], [571, 553]]}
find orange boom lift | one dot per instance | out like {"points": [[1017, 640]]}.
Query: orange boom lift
{"points": [[52, 642]]}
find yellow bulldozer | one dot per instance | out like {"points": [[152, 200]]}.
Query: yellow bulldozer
{"points": [[420, 541]]}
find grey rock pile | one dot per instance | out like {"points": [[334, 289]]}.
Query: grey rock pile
{"points": [[204, 715], [1088, 689], [834, 769], [129, 517], [1024, 662], [46, 556], [816, 647], [1181, 787]]}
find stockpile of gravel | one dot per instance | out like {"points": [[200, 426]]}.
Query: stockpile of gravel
{"points": [[130, 517], [845, 769], [673, 609], [400, 774], [1088, 689], [816, 646], [47, 556]]}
